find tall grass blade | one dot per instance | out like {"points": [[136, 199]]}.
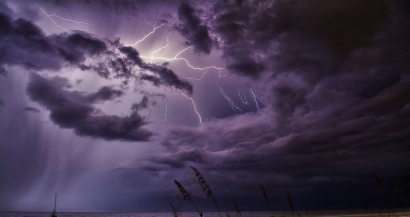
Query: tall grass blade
{"points": [[186, 195], [398, 190], [205, 187], [379, 185], [265, 196], [236, 209], [290, 202], [181, 189], [383, 192], [174, 210]]}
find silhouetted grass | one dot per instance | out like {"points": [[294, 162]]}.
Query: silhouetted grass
{"points": [[186, 195], [174, 210], [398, 191], [236, 209], [289, 202], [265, 196], [205, 187]]}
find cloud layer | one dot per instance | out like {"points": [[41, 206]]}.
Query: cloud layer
{"points": [[24, 44]]}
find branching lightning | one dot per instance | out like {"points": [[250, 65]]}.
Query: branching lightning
{"points": [[242, 97], [230, 101], [185, 60], [155, 27], [161, 48], [62, 18], [256, 98], [197, 79], [193, 103]]}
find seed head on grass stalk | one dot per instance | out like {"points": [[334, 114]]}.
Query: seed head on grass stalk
{"points": [[289, 202], [265, 196], [174, 210], [383, 192], [205, 187], [181, 189], [398, 190], [186, 195], [236, 209], [379, 185]]}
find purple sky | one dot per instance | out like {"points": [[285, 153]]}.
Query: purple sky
{"points": [[107, 102]]}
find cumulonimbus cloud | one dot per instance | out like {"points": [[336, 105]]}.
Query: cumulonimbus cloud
{"points": [[25, 44]]}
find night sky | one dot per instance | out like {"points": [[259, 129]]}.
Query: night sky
{"points": [[107, 102]]}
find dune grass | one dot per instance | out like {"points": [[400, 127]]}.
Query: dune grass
{"points": [[397, 191]]}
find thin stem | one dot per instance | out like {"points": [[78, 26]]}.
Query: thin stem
{"points": [[200, 213], [216, 205]]}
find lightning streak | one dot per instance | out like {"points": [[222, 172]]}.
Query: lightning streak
{"points": [[54, 15], [197, 79], [230, 101], [176, 58], [256, 98], [193, 103], [155, 27], [242, 97], [159, 49], [186, 61], [296, 81]]}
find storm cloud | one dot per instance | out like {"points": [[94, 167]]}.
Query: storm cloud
{"points": [[25, 44], [337, 78], [71, 109], [190, 26], [322, 90]]}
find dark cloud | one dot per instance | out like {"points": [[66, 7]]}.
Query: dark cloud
{"points": [[170, 78], [336, 100], [73, 110], [153, 79], [290, 36], [166, 76], [190, 26], [31, 109], [105, 93], [316, 152], [25, 44], [119, 6], [3, 72], [143, 104]]}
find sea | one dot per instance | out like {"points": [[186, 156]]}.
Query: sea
{"points": [[332, 213]]}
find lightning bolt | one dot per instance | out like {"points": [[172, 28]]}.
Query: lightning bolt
{"points": [[54, 15], [183, 59], [296, 81], [197, 79], [155, 27], [153, 57], [193, 103], [161, 48], [242, 97], [166, 108], [256, 98], [230, 101]]}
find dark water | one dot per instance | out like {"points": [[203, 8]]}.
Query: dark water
{"points": [[350, 213]]}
